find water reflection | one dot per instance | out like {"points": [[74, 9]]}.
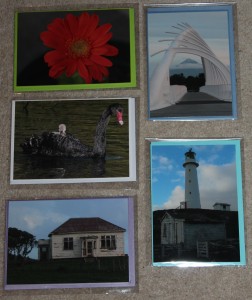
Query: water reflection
{"points": [[57, 167]]}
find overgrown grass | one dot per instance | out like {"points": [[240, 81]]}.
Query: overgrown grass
{"points": [[110, 269]]}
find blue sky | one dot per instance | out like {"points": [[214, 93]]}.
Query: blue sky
{"points": [[40, 217], [212, 26], [217, 175]]}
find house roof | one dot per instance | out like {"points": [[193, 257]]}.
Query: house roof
{"points": [[202, 215], [220, 203], [82, 225]]}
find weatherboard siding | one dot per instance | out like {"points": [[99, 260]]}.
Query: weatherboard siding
{"points": [[203, 232], [172, 231], [176, 231], [58, 251]]}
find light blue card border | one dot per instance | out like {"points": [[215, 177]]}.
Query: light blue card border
{"points": [[199, 7], [193, 142]]}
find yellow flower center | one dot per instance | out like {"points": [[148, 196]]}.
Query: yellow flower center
{"points": [[78, 48]]}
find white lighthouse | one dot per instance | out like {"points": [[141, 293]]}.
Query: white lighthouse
{"points": [[192, 196]]}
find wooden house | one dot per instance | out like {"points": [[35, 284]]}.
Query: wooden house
{"points": [[179, 230], [85, 237]]}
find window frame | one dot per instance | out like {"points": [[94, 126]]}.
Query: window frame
{"points": [[108, 242], [68, 243]]}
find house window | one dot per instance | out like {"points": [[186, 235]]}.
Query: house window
{"points": [[108, 242], [164, 231], [68, 243]]}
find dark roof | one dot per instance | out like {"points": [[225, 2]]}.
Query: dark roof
{"points": [[220, 203], [196, 215], [82, 225]]}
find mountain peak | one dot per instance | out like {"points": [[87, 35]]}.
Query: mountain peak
{"points": [[189, 61]]}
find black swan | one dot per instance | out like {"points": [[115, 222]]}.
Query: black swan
{"points": [[63, 144]]}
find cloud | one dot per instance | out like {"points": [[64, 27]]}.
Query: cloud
{"points": [[162, 164], [37, 219], [210, 159], [177, 196], [217, 183], [30, 218], [162, 160], [154, 179]]}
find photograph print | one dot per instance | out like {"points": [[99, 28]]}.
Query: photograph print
{"points": [[72, 50], [70, 243], [191, 62], [73, 141], [197, 204]]}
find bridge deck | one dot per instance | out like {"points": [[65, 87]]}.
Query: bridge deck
{"points": [[195, 104]]}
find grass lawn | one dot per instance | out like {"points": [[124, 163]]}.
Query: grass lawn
{"points": [[110, 269]]}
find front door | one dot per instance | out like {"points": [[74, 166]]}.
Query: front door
{"points": [[89, 248]]}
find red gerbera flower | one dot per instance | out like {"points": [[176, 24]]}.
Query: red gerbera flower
{"points": [[79, 44]]}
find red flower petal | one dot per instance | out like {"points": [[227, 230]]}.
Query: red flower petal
{"points": [[84, 20], [111, 50], [71, 22], [102, 40], [95, 73], [100, 31], [58, 27], [71, 68], [51, 40], [93, 23], [87, 61], [106, 50], [99, 51], [57, 69], [103, 70], [53, 57], [83, 71], [100, 60]]}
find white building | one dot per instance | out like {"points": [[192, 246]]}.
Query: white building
{"points": [[192, 195], [83, 237], [222, 206]]}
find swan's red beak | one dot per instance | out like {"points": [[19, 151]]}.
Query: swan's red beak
{"points": [[119, 116]]}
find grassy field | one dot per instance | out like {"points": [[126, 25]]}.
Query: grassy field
{"points": [[111, 269]]}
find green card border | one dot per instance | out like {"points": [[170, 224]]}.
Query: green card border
{"points": [[132, 83]]}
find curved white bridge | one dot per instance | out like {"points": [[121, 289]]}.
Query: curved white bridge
{"points": [[217, 75]]}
